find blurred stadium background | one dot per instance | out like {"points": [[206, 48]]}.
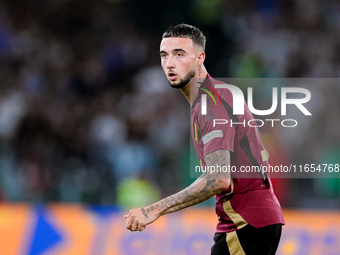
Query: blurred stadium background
{"points": [[89, 126]]}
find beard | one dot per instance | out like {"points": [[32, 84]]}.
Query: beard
{"points": [[182, 82]]}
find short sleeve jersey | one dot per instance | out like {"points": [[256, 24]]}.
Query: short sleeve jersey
{"points": [[250, 198]]}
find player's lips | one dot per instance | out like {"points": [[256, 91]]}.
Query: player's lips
{"points": [[172, 76]]}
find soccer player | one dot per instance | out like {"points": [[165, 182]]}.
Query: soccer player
{"points": [[250, 216]]}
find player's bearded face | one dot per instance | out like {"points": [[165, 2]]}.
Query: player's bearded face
{"points": [[183, 80], [178, 59]]}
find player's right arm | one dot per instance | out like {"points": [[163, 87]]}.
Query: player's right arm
{"points": [[205, 187]]}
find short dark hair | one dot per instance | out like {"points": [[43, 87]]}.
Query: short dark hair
{"points": [[186, 31]]}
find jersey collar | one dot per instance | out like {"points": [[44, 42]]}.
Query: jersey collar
{"points": [[204, 83]]}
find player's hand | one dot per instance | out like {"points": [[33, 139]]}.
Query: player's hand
{"points": [[137, 219]]}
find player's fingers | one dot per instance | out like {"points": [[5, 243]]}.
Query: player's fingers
{"points": [[125, 216], [129, 214], [134, 226], [129, 222], [128, 217], [141, 228]]}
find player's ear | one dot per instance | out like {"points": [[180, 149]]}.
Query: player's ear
{"points": [[200, 58]]}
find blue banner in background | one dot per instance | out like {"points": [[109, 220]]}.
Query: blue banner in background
{"points": [[96, 230]]}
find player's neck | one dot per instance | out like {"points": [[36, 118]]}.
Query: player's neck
{"points": [[190, 91]]}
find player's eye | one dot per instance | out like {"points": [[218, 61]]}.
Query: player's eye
{"points": [[179, 54]]}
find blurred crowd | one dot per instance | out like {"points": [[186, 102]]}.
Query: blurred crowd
{"points": [[86, 114]]}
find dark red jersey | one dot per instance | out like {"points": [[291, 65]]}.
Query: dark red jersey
{"points": [[250, 198]]}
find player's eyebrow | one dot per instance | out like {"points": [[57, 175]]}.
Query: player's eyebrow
{"points": [[176, 50]]}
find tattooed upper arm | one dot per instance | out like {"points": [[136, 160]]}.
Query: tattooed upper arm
{"points": [[219, 158]]}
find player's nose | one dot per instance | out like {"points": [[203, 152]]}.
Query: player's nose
{"points": [[170, 64]]}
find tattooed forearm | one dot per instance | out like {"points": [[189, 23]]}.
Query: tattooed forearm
{"points": [[151, 208], [144, 213], [206, 186]]}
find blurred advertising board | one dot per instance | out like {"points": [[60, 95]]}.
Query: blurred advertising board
{"points": [[98, 230]]}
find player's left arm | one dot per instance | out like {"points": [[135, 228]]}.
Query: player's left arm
{"points": [[205, 187]]}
